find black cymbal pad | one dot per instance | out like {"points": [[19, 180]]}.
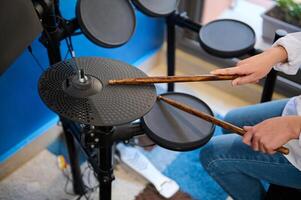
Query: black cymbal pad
{"points": [[104, 105], [109, 23], [227, 38]]}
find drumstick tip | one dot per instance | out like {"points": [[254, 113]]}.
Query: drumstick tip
{"points": [[112, 82], [283, 150]]}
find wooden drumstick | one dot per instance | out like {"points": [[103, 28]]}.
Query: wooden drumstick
{"points": [[172, 79], [212, 119]]}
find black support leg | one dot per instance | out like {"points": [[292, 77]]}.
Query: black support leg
{"points": [[269, 85], [171, 51], [105, 176], [78, 185]]}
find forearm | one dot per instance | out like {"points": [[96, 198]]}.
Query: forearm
{"points": [[295, 126], [292, 45], [277, 54]]}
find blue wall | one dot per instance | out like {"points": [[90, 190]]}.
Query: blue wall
{"points": [[23, 115]]}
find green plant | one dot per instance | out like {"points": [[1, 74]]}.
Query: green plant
{"points": [[291, 10]]}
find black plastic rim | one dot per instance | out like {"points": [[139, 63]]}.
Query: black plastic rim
{"points": [[227, 54], [140, 6], [175, 146], [96, 40]]}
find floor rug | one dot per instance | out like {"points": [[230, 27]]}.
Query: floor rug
{"points": [[185, 168], [150, 193]]}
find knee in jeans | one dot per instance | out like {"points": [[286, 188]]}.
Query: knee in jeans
{"points": [[207, 156], [231, 117], [220, 149], [213, 163]]}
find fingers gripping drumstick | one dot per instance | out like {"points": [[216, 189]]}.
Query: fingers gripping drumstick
{"points": [[212, 119]]}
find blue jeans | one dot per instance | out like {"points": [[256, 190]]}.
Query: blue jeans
{"points": [[237, 168]]}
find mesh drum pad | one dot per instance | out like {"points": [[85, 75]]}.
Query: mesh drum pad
{"points": [[109, 23], [175, 129], [227, 38], [157, 8]]}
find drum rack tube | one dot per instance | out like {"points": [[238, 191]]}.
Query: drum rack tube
{"points": [[126, 132], [183, 21]]}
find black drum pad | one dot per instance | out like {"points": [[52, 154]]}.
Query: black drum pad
{"points": [[156, 8], [227, 38], [112, 105], [109, 23], [175, 129]]}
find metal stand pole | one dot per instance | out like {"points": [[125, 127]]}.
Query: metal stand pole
{"points": [[171, 22], [171, 50], [271, 78], [105, 175], [52, 44], [78, 185], [269, 85]]}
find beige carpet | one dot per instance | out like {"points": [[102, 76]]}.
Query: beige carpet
{"points": [[41, 179]]}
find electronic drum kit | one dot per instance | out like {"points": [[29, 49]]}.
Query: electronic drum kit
{"points": [[103, 94]]}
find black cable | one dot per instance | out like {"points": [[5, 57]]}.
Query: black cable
{"points": [[68, 40], [73, 53], [66, 55], [35, 58], [77, 33], [62, 21], [69, 51], [89, 188], [71, 44], [89, 178], [92, 188], [68, 180]]}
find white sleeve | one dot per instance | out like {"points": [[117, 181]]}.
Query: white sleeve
{"points": [[292, 44]]}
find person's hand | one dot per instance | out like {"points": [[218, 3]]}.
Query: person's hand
{"points": [[256, 67], [272, 133]]}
